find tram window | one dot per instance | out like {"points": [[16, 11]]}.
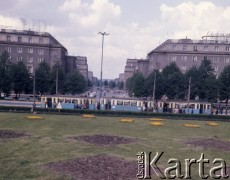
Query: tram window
{"points": [[134, 103], [126, 103], [119, 102], [208, 107]]}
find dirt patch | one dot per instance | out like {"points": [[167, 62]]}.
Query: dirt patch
{"points": [[96, 167], [6, 134], [105, 140], [210, 143]]}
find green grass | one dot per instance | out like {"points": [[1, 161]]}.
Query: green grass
{"points": [[23, 158]]}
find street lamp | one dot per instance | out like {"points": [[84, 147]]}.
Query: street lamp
{"points": [[34, 92], [103, 34]]}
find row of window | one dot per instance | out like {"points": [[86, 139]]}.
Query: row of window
{"points": [[27, 39], [29, 50], [30, 59], [205, 48], [195, 58], [184, 68]]}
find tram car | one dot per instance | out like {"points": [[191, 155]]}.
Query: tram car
{"points": [[67, 102], [126, 104]]}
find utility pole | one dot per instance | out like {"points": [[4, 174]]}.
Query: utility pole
{"points": [[34, 92], [154, 89], [57, 81], [102, 51], [189, 92]]}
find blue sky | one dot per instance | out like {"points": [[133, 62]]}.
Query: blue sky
{"points": [[135, 26]]}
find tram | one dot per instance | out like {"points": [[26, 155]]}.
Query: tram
{"points": [[126, 104]]}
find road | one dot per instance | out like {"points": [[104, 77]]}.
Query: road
{"points": [[18, 103]]}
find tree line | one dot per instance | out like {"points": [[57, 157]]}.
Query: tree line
{"points": [[173, 84], [16, 77]]}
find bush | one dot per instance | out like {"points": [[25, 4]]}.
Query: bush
{"points": [[116, 113]]}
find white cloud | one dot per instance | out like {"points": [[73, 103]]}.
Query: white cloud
{"points": [[77, 23], [189, 18]]}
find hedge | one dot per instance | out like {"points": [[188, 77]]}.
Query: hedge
{"points": [[115, 113]]}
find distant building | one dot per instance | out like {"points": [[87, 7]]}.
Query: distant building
{"points": [[77, 63], [90, 75], [121, 77], [136, 65], [187, 53], [32, 48]]}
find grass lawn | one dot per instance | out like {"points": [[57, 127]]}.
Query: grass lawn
{"points": [[23, 158]]}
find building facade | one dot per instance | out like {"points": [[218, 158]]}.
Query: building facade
{"points": [[35, 47], [135, 65], [187, 53], [32, 48]]}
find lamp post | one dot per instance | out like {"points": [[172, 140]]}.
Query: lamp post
{"points": [[103, 34], [34, 92], [154, 90]]}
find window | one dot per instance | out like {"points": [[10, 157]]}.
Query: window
{"points": [[216, 48], [215, 60], [183, 67], [227, 60], [194, 58], [173, 58], [205, 48], [40, 51], [227, 48], [40, 59], [30, 59], [184, 48], [19, 39], [30, 40], [194, 48], [8, 38], [8, 49], [19, 58], [40, 40], [174, 47], [30, 50], [30, 69], [215, 68], [19, 50], [184, 58]]}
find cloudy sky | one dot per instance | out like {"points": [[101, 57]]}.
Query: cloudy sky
{"points": [[135, 26]]}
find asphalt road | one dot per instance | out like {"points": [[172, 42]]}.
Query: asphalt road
{"points": [[18, 103]]}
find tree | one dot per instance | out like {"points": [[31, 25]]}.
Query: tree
{"points": [[112, 84], [56, 69], [224, 87], [195, 78], [5, 65], [136, 86], [20, 78], [174, 82], [42, 76], [75, 83], [206, 80], [159, 90], [120, 85], [106, 83]]}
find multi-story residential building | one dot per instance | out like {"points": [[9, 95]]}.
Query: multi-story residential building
{"points": [[136, 65], [130, 68], [90, 76], [32, 48], [77, 63], [187, 53]]}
